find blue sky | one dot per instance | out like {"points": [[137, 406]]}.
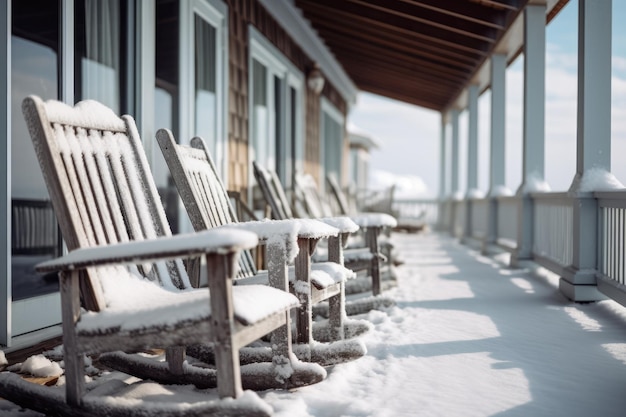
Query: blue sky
{"points": [[409, 135]]}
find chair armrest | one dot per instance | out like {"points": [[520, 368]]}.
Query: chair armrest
{"points": [[297, 228], [286, 233], [221, 241], [345, 224], [365, 220]]}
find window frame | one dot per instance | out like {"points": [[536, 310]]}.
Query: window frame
{"points": [[277, 65]]}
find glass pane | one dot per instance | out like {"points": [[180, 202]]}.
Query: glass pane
{"points": [[333, 146], [279, 137], [205, 80], [166, 98], [98, 71], [260, 114], [34, 70]]}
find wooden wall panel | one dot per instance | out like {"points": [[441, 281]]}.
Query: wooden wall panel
{"points": [[241, 14]]}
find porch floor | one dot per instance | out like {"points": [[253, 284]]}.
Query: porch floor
{"points": [[472, 337]]}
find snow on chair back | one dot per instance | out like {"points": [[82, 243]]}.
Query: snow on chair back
{"points": [[307, 191], [202, 191], [273, 193], [338, 194], [100, 184]]}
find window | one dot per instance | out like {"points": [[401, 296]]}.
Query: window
{"points": [[276, 102], [331, 141]]}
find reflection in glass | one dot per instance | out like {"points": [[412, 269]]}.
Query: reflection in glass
{"points": [[205, 80], [260, 115], [166, 98], [333, 146], [34, 70], [98, 51]]}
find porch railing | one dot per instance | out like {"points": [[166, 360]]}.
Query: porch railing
{"points": [[611, 269], [553, 244], [424, 209], [506, 229], [553, 229]]}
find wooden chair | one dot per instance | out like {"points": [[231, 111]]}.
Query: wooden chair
{"points": [[368, 258], [133, 286], [208, 205], [382, 220]]}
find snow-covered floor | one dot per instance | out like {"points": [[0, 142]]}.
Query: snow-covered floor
{"points": [[471, 337]]}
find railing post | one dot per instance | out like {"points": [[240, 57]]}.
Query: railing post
{"points": [[579, 280], [525, 223], [593, 143]]}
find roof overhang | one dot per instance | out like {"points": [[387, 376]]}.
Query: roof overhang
{"points": [[423, 52]]}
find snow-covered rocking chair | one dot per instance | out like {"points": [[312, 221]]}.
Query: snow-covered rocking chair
{"points": [[134, 289], [367, 258], [208, 205]]}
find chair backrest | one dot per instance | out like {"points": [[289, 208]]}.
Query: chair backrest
{"points": [[205, 198], [100, 185], [273, 192], [337, 193], [307, 191]]}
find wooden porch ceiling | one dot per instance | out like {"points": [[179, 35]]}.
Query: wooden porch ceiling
{"points": [[422, 52]]}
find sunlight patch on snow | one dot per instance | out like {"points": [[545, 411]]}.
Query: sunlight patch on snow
{"points": [[617, 350], [580, 317], [523, 284]]}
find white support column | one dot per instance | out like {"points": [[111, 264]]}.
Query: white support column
{"points": [[472, 156], [444, 203], [472, 138], [593, 143], [498, 116], [455, 206], [454, 163], [443, 189], [533, 125], [497, 145]]}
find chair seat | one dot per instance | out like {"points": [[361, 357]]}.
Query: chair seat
{"points": [[135, 304], [323, 275]]}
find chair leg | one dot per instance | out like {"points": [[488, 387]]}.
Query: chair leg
{"points": [[336, 304], [175, 358], [304, 314], [221, 270], [278, 277], [336, 314], [74, 362], [371, 238]]}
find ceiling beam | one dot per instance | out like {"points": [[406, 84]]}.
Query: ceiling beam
{"points": [[347, 12], [330, 26], [426, 17]]}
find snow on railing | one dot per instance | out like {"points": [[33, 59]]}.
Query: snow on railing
{"points": [[419, 208], [553, 228]]}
